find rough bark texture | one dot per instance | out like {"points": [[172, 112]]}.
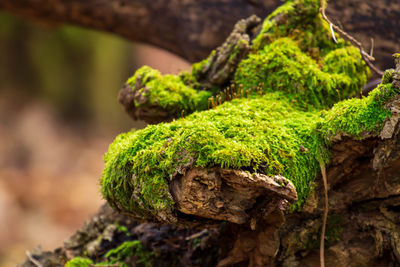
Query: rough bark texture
{"points": [[227, 195], [192, 28], [170, 245]]}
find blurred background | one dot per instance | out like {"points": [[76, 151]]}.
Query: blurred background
{"points": [[58, 114]]}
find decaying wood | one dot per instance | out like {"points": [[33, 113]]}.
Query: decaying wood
{"points": [[150, 113], [364, 203], [192, 28], [363, 226], [229, 195]]}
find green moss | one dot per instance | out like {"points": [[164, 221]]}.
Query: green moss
{"points": [[283, 66], [168, 91], [300, 20], [238, 134], [198, 68], [122, 229], [126, 250], [79, 262], [356, 116], [387, 76], [117, 256], [263, 132]]}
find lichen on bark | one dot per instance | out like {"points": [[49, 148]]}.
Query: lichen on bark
{"points": [[275, 113]]}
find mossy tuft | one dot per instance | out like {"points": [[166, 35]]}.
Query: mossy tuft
{"points": [[79, 262], [294, 75], [126, 250], [283, 66], [170, 92], [117, 256]]}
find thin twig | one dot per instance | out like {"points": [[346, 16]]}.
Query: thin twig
{"points": [[33, 260], [325, 216], [198, 234], [367, 58], [371, 51], [333, 33]]}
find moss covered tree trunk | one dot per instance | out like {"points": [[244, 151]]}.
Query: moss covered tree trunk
{"points": [[235, 173]]}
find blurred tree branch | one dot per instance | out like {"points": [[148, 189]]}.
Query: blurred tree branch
{"points": [[191, 29]]}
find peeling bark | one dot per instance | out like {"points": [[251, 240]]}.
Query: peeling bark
{"points": [[221, 194]]}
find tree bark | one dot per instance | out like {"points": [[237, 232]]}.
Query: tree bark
{"points": [[191, 29]]}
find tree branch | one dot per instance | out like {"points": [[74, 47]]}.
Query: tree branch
{"points": [[190, 29]]}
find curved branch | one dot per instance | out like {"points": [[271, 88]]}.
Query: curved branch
{"points": [[190, 29]]}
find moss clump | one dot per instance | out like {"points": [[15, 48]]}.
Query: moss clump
{"points": [[301, 21], [356, 116], [126, 250], [243, 133], [198, 68], [264, 132], [79, 262], [167, 91], [283, 66], [387, 76], [117, 256]]}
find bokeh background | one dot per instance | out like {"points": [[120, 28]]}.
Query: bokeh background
{"points": [[58, 114]]}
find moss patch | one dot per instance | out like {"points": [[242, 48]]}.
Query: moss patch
{"points": [[168, 91], [126, 250], [117, 256], [356, 116], [265, 134], [301, 21], [282, 126], [243, 133], [79, 262], [283, 66]]}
